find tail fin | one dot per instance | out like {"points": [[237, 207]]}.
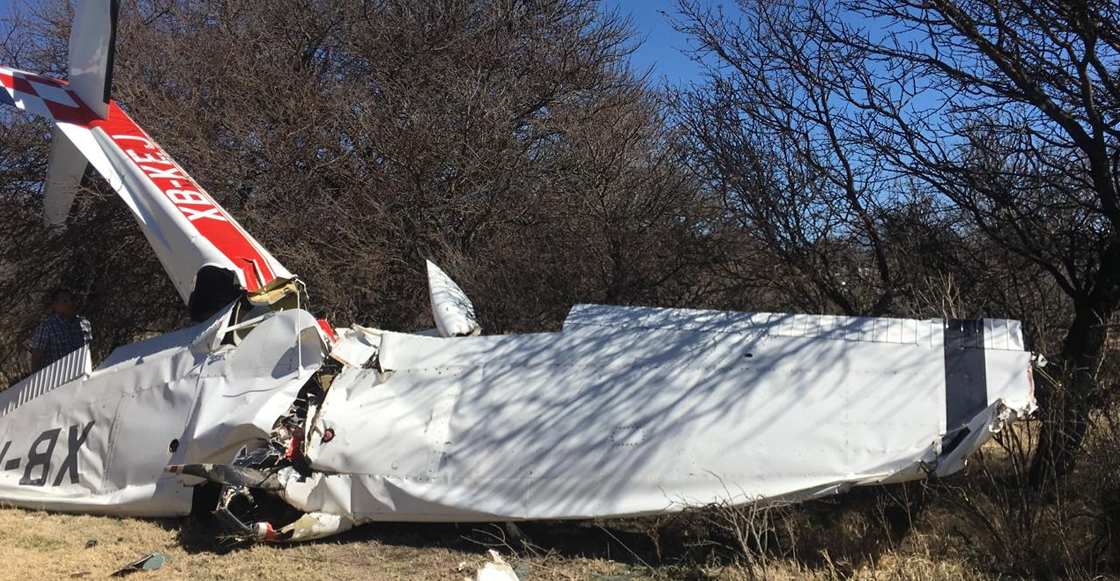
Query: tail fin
{"points": [[188, 229], [92, 40]]}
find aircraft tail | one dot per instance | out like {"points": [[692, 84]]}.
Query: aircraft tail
{"points": [[208, 255], [92, 40]]}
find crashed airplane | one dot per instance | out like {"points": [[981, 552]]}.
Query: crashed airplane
{"points": [[308, 429]]}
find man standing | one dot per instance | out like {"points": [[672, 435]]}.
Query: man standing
{"points": [[60, 333]]}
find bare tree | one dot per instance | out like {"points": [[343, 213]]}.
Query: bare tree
{"points": [[508, 141], [1001, 112], [1027, 145], [772, 133]]}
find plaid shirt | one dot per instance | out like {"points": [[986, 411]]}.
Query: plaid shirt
{"points": [[56, 337]]}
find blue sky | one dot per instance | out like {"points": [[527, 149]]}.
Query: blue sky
{"points": [[5, 5], [661, 45]]}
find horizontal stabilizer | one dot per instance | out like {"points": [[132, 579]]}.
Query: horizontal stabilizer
{"points": [[65, 174]]}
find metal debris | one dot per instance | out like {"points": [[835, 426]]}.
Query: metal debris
{"points": [[149, 562]]}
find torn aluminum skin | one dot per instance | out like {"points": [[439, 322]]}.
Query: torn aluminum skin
{"points": [[101, 441]]}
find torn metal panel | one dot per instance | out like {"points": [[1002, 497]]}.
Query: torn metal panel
{"points": [[356, 346], [954, 450], [243, 390], [100, 443], [315, 525]]}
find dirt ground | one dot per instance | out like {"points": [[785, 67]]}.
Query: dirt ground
{"points": [[42, 546]]}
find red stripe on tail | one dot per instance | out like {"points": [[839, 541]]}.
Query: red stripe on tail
{"points": [[211, 221]]}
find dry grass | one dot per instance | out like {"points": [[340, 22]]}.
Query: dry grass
{"points": [[44, 546], [41, 546], [53, 546]]}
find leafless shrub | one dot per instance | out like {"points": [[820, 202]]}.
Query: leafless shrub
{"points": [[754, 534]]}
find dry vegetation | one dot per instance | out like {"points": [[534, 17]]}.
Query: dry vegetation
{"points": [[54, 546]]}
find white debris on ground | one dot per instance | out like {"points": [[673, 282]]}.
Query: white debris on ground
{"points": [[496, 570]]}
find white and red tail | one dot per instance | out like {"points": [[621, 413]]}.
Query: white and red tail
{"points": [[208, 255]]}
